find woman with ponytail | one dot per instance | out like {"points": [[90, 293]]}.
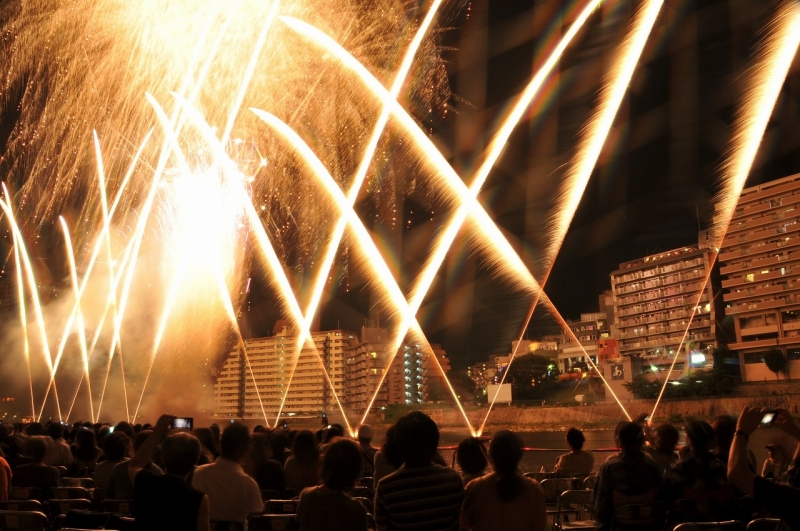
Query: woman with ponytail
{"points": [[504, 499]]}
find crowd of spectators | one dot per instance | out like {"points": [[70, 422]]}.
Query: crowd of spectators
{"points": [[217, 479]]}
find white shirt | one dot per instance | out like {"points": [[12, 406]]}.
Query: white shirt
{"points": [[232, 494]]}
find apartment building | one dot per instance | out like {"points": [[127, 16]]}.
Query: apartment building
{"points": [[760, 264], [250, 390], [366, 361], [654, 299], [354, 366], [424, 371], [591, 328]]}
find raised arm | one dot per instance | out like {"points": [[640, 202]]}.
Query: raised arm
{"points": [[146, 450], [739, 472]]}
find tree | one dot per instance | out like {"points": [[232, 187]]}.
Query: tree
{"points": [[532, 377], [775, 361]]}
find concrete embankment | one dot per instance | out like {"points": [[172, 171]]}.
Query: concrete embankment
{"points": [[769, 395]]}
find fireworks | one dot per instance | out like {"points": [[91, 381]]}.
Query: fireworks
{"points": [[230, 133]]}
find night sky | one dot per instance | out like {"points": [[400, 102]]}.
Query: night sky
{"points": [[652, 188]]}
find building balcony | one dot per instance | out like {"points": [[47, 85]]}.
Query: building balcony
{"points": [[759, 330], [757, 292], [750, 345]]}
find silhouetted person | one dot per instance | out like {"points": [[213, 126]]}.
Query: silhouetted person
{"points": [[631, 477], [365, 435], [420, 494], [267, 472], [36, 474], [328, 507], [120, 486], [504, 499], [58, 452], [471, 459], [168, 503], [388, 458], [302, 467], [578, 461], [115, 449], [665, 439], [702, 476]]}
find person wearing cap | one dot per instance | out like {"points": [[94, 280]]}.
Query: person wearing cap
{"points": [[775, 465], [631, 477]]}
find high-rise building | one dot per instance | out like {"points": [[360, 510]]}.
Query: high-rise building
{"points": [[654, 297], [243, 389], [760, 264], [424, 375], [365, 363], [354, 367]]}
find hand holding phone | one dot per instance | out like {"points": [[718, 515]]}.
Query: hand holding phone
{"points": [[183, 423], [769, 418]]}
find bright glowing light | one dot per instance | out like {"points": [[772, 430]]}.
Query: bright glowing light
{"points": [[773, 60]]}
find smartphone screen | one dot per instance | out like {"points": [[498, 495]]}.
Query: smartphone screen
{"points": [[182, 423], [768, 418]]}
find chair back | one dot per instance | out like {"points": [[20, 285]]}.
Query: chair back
{"points": [[26, 493], [117, 506], [638, 516], [366, 503], [539, 476], [281, 506], [730, 525], [24, 520], [572, 501], [273, 522], [589, 482], [366, 481], [70, 493], [62, 470], [362, 492], [22, 505], [86, 483], [555, 486], [270, 495], [56, 506], [764, 524]]}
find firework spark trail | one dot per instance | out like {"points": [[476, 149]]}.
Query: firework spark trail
{"points": [[93, 260], [361, 173], [162, 327], [773, 61], [101, 176], [23, 319], [170, 144], [31, 280], [229, 310], [264, 245], [218, 274], [591, 144], [286, 294], [364, 240], [492, 235], [73, 272], [125, 256], [248, 76]]}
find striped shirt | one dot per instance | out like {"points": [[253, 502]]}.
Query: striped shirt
{"points": [[422, 499]]}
